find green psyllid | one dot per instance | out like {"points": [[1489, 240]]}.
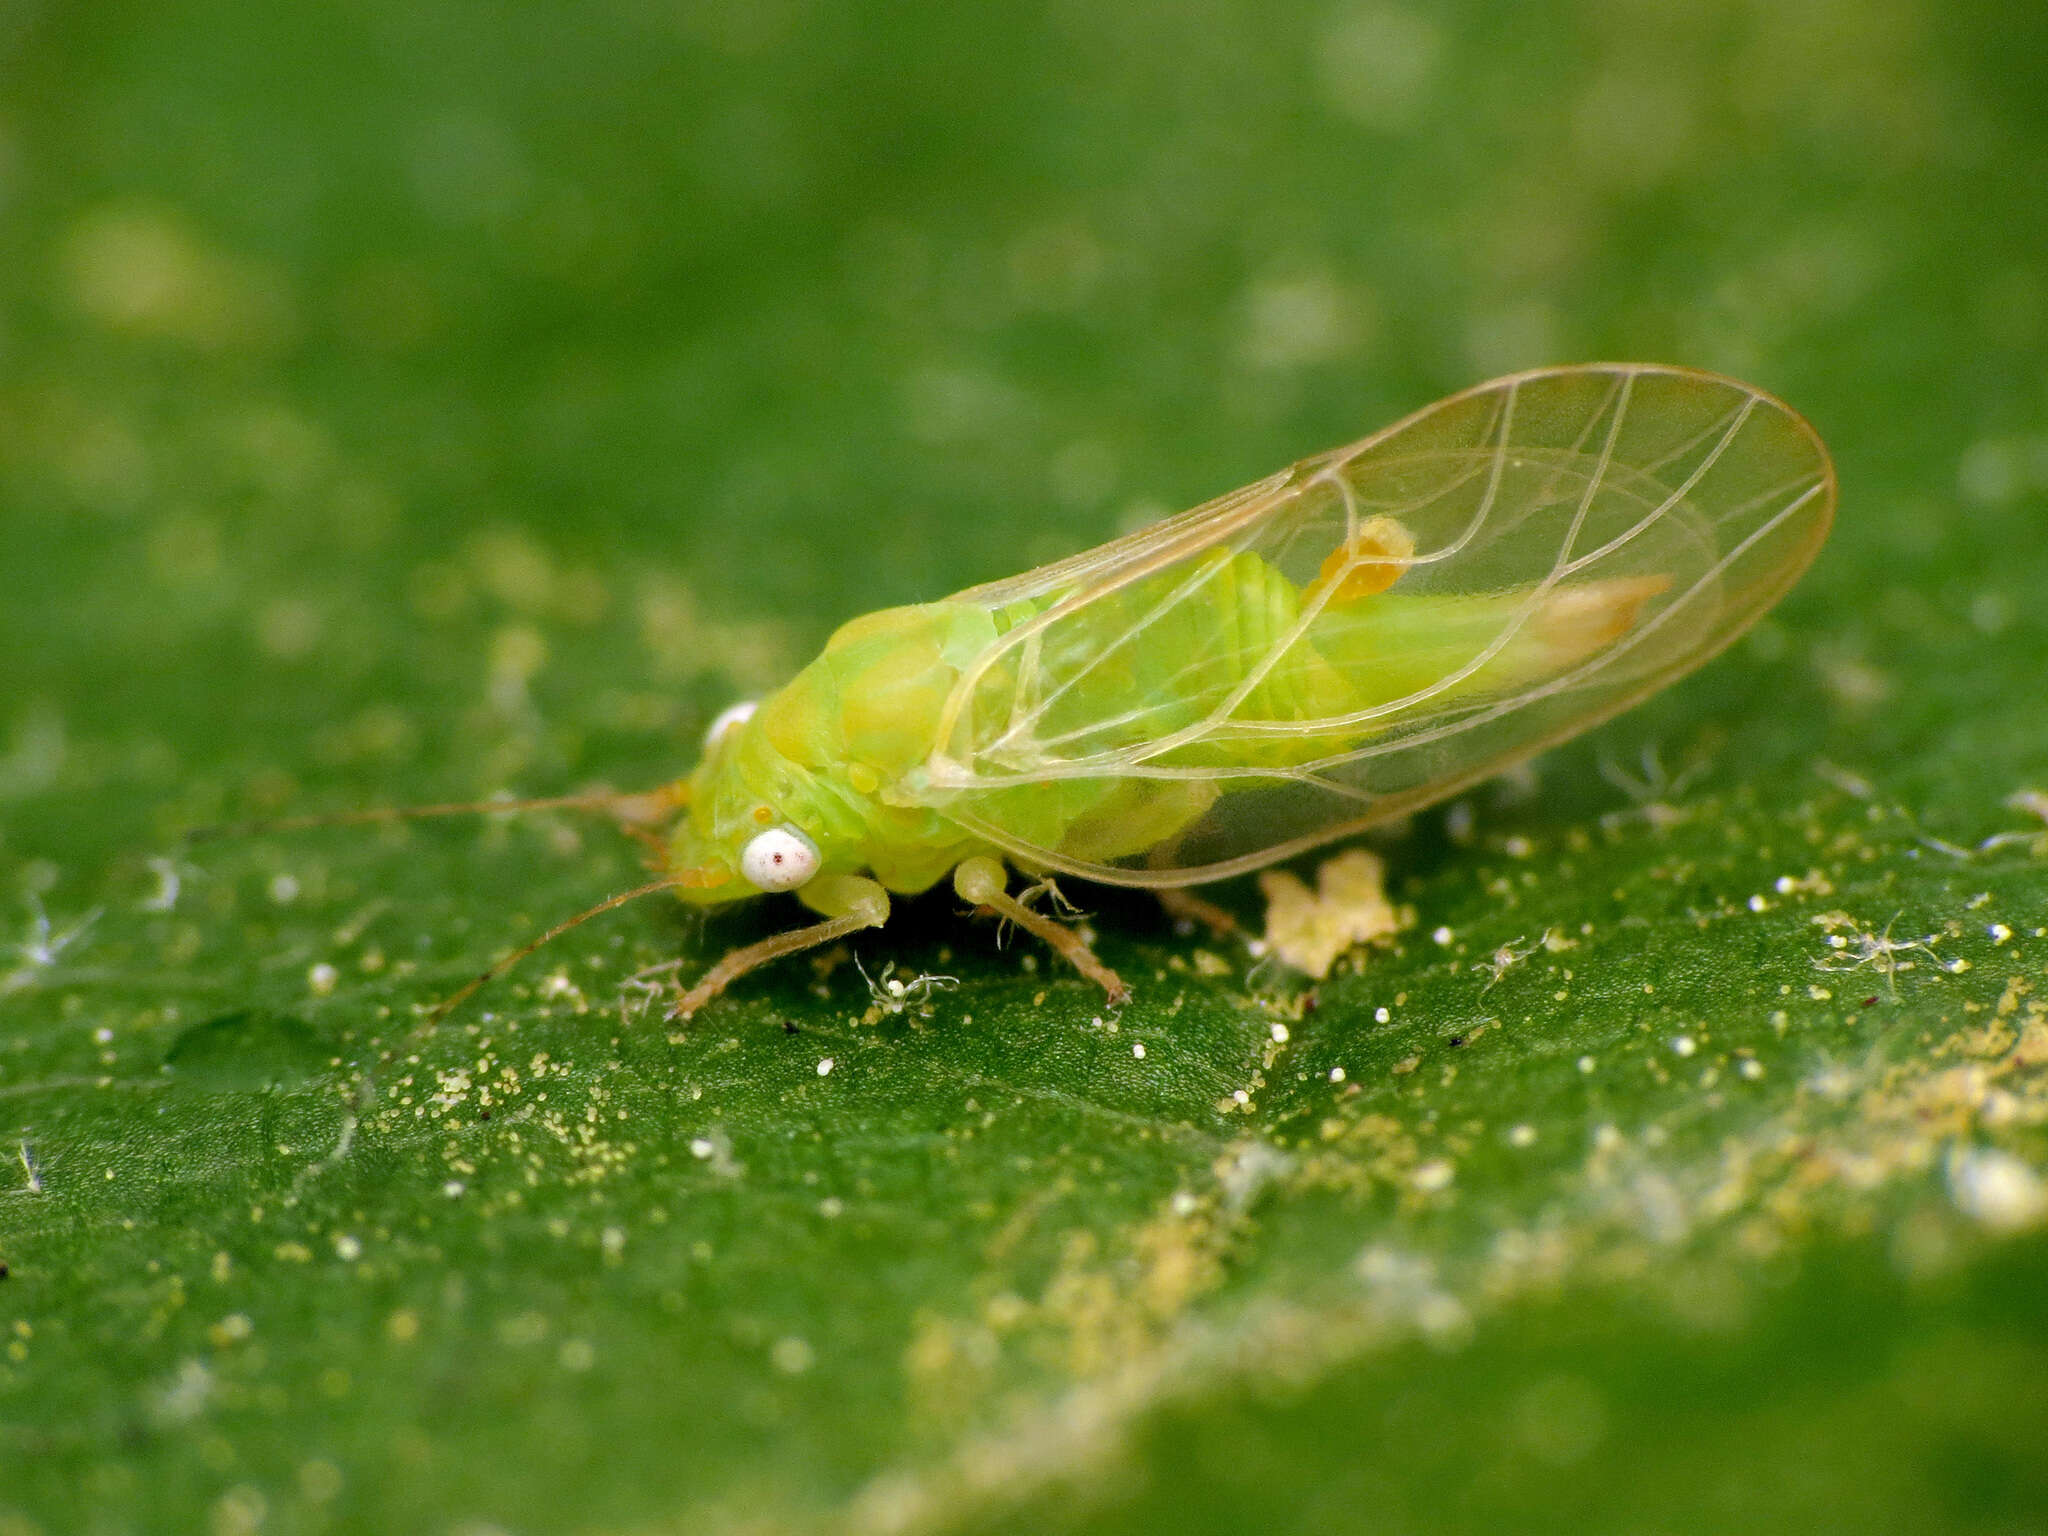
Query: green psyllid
{"points": [[1342, 642]]}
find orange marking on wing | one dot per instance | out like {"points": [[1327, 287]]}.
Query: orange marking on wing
{"points": [[1368, 563], [1579, 620]]}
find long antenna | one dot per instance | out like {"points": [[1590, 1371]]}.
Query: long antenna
{"points": [[637, 806], [449, 1004]]}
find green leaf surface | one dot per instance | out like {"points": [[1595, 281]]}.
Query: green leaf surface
{"points": [[406, 403]]}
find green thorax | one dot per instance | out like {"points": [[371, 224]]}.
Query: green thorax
{"points": [[825, 753]]}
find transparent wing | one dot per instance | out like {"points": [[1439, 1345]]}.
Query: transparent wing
{"points": [[1379, 626]]}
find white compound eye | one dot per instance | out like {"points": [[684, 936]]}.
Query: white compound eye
{"points": [[780, 859], [727, 718]]}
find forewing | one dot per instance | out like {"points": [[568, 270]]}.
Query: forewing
{"points": [[1212, 693]]}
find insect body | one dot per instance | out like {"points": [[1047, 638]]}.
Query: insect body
{"points": [[1345, 641]]}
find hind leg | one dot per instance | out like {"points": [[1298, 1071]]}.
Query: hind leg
{"points": [[1187, 910]]}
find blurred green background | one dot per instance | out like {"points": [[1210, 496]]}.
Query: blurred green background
{"points": [[411, 401]]}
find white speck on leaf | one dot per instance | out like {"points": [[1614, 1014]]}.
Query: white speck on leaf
{"points": [[1434, 1175], [1997, 1189]]}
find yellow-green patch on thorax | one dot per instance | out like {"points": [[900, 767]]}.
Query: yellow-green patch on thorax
{"points": [[827, 752]]}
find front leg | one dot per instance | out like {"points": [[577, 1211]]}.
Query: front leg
{"points": [[982, 881], [849, 903]]}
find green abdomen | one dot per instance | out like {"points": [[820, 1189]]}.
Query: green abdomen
{"points": [[1146, 665]]}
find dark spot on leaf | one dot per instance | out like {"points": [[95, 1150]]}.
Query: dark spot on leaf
{"points": [[789, 1026], [249, 1050], [1457, 1040], [1870, 1002]]}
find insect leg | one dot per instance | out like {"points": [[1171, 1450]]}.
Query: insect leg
{"points": [[981, 880], [851, 904], [1186, 909]]}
